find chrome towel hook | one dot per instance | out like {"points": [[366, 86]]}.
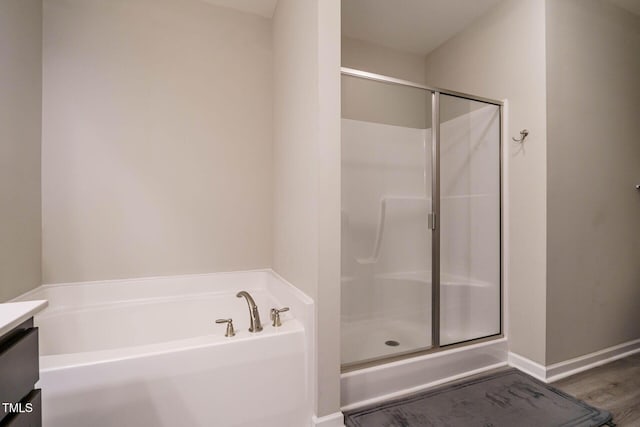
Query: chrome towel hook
{"points": [[523, 134]]}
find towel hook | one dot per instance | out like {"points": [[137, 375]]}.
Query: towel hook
{"points": [[523, 134]]}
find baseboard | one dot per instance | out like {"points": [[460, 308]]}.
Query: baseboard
{"points": [[528, 366], [332, 420], [564, 369], [570, 367]]}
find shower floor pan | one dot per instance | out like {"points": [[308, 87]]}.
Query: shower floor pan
{"points": [[368, 339]]}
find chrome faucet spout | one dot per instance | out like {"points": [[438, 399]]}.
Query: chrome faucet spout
{"points": [[254, 315]]}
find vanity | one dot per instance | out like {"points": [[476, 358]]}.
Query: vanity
{"points": [[20, 401]]}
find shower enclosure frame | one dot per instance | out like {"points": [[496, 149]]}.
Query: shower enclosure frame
{"points": [[434, 219]]}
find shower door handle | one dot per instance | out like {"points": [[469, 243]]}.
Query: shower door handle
{"points": [[431, 221]]}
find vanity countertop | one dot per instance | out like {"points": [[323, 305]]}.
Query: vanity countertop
{"points": [[14, 313]]}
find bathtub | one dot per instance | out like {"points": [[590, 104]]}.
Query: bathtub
{"points": [[147, 352]]}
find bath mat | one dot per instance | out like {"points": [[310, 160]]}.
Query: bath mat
{"points": [[505, 399]]}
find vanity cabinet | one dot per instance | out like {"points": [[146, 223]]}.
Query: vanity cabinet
{"points": [[19, 371]]}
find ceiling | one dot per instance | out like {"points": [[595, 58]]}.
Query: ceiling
{"points": [[417, 26], [632, 6], [258, 7]]}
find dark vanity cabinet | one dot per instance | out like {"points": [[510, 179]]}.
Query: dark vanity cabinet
{"points": [[19, 371]]}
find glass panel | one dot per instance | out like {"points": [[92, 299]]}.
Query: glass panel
{"points": [[470, 219], [386, 196]]}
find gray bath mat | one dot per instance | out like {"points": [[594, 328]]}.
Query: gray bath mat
{"points": [[505, 399]]}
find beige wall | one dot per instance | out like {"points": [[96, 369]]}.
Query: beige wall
{"points": [[306, 225], [367, 56], [390, 104], [329, 285], [502, 56], [295, 143], [397, 105], [593, 247], [20, 127], [384, 103], [157, 119]]}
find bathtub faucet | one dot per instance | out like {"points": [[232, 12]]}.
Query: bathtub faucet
{"points": [[254, 316]]}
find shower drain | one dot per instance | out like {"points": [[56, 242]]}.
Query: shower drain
{"points": [[392, 343]]}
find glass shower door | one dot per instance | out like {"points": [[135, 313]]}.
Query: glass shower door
{"points": [[470, 248], [386, 197]]}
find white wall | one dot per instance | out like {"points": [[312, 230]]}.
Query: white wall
{"points": [[593, 165], [502, 56], [157, 153], [384, 209], [306, 40], [20, 128]]}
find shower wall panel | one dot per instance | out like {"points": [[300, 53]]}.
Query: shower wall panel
{"points": [[386, 252]]}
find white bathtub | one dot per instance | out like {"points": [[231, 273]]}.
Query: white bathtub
{"points": [[147, 352]]}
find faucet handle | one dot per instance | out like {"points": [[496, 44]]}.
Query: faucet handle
{"points": [[275, 316], [230, 331]]}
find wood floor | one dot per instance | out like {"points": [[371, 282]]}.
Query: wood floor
{"points": [[614, 387]]}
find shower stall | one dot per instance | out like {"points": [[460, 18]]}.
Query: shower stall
{"points": [[421, 219]]}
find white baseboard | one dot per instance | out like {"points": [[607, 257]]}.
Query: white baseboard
{"points": [[588, 361], [528, 366], [332, 420], [576, 365]]}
